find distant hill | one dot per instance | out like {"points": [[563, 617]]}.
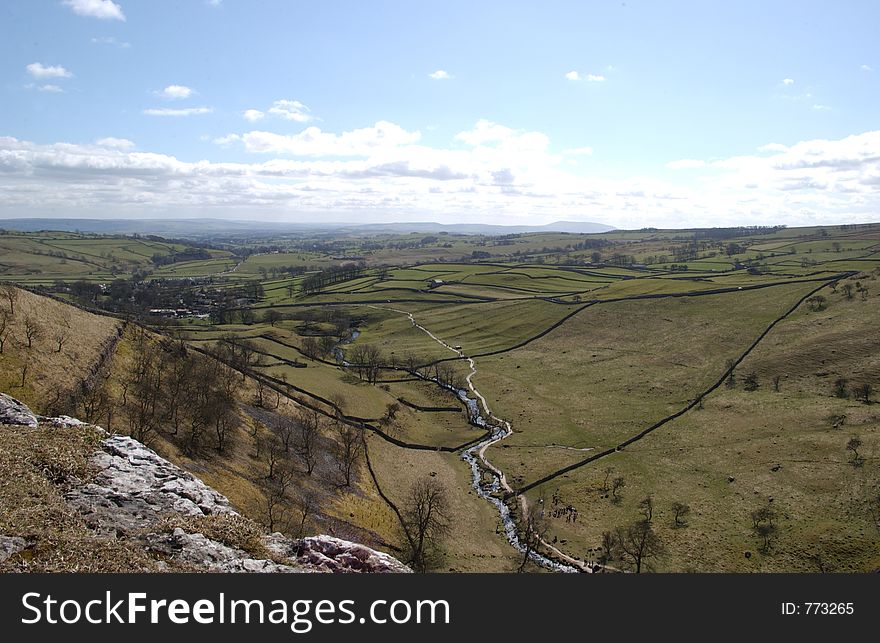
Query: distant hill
{"points": [[207, 227]]}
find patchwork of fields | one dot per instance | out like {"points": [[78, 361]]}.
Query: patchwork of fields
{"points": [[730, 348]]}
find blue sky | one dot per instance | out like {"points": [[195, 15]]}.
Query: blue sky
{"points": [[630, 113]]}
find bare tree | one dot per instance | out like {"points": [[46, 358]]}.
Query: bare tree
{"points": [[607, 471], [92, 401], [840, 389], [306, 444], [863, 392], [425, 521], [311, 347], [638, 543], [275, 508], [854, 444], [5, 328], [306, 504], [607, 548], [680, 513], [272, 317], [285, 430], [616, 485], [646, 506], [349, 447], [532, 528], [10, 294], [273, 456], [326, 344], [763, 526], [33, 330]]}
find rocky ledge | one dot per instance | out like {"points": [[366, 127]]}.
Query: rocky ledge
{"points": [[135, 492]]}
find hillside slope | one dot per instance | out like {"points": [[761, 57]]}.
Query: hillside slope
{"points": [[76, 499]]}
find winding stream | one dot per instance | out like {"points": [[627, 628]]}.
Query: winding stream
{"points": [[475, 456]]}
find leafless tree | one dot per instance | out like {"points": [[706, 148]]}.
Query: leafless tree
{"points": [[306, 505], [532, 528], [616, 485], [306, 444], [311, 347], [33, 330], [273, 456], [863, 392], [680, 512], [425, 521], [854, 444], [326, 345], [348, 449], [638, 543], [607, 471], [5, 328], [275, 502], [607, 549], [10, 294], [646, 506], [285, 430], [92, 401], [272, 317], [763, 526]]}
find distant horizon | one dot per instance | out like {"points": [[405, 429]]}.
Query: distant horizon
{"points": [[632, 115], [401, 223]]}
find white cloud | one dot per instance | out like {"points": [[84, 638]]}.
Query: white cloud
{"points": [[291, 110], [111, 40], [788, 81], [499, 174], [579, 151], [590, 78], [686, 164], [102, 9], [440, 75], [213, 3], [314, 142], [820, 107], [866, 68], [39, 70], [253, 115], [52, 89], [188, 111], [175, 92], [115, 143]]}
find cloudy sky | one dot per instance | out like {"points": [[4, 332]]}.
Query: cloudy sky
{"points": [[635, 113]]}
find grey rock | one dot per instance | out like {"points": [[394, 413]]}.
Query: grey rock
{"points": [[210, 555], [335, 555], [14, 412], [11, 545], [135, 488]]}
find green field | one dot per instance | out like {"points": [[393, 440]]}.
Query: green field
{"points": [[580, 355]]}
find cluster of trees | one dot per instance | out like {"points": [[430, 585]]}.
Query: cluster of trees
{"points": [[187, 254], [860, 391], [332, 275], [637, 543], [365, 360], [187, 396]]}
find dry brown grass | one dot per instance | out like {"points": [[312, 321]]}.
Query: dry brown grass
{"points": [[38, 464], [51, 375]]}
